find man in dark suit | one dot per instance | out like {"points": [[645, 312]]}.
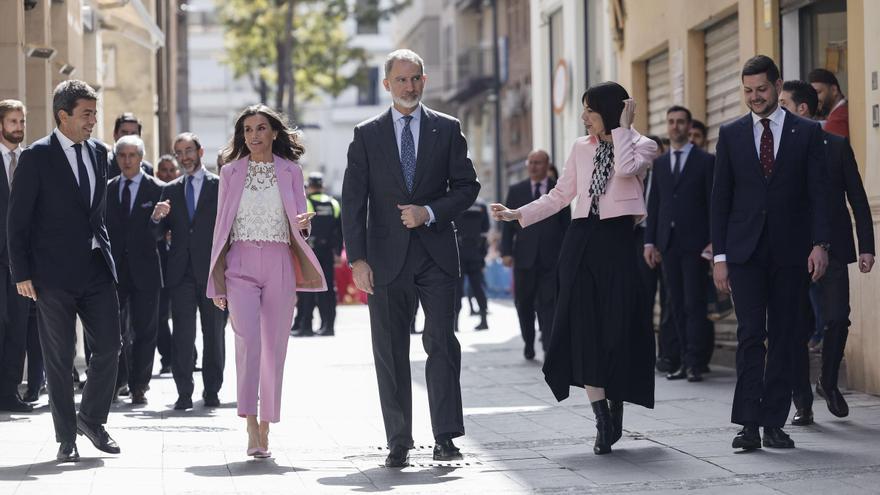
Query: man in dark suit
{"points": [[408, 177], [533, 253], [166, 171], [13, 307], [60, 257], [131, 199], [678, 233], [770, 233], [188, 209], [845, 184], [127, 125]]}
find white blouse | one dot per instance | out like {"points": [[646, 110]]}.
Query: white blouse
{"points": [[261, 215]]}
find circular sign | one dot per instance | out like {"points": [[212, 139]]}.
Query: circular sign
{"points": [[560, 86]]}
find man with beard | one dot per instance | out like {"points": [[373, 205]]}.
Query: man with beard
{"points": [[13, 307], [832, 104], [770, 232]]}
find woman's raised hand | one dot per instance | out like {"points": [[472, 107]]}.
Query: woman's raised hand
{"points": [[304, 220], [628, 114], [502, 213]]}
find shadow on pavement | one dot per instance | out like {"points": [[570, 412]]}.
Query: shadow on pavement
{"points": [[382, 479], [29, 472], [243, 468]]}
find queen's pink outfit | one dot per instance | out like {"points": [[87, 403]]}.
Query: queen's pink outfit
{"points": [[258, 262]]}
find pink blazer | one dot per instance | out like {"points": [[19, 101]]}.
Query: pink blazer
{"points": [[624, 194], [309, 276]]}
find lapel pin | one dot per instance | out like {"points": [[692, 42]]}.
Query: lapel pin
{"points": [[433, 130]]}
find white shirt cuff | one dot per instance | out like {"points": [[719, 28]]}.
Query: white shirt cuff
{"points": [[432, 219], [720, 258], [649, 245]]}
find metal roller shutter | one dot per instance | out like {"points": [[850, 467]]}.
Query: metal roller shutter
{"points": [[722, 76], [658, 93]]}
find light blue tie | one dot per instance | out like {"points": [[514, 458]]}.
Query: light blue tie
{"points": [[408, 154], [190, 198]]}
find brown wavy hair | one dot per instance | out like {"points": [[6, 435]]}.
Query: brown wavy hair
{"points": [[286, 145]]}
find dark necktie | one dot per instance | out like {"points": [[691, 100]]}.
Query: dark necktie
{"points": [[537, 190], [190, 194], [126, 198], [85, 191], [766, 151], [676, 167], [13, 162], [408, 154]]}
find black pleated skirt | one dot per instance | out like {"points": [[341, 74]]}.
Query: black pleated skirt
{"points": [[600, 335]]}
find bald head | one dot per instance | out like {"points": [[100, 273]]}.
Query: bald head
{"points": [[537, 163]]}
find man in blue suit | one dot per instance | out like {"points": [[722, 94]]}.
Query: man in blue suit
{"points": [[770, 234], [678, 233]]}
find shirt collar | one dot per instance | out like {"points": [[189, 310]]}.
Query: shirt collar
{"points": [[839, 104], [199, 175], [136, 180], [542, 182], [65, 141], [776, 117], [7, 151], [416, 115], [684, 149]]}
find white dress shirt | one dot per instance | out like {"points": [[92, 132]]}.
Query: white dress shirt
{"points": [[414, 124], [7, 155], [685, 152], [544, 187], [70, 153], [133, 188]]}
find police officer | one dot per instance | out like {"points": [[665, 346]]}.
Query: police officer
{"points": [[326, 242], [473, 227]]}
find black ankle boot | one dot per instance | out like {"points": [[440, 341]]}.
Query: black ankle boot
{"points": [[615, 408], [604, 429]]}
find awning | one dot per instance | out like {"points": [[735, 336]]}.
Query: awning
{"points": [[131, 19]]}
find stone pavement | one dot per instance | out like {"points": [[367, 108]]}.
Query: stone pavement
{"points": [[519, 440]]}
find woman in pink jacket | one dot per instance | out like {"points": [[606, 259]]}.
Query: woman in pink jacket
{"points": [[600, 340], [260, 259]]}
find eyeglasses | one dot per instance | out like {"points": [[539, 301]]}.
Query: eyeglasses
{"points": [[188, 151]]}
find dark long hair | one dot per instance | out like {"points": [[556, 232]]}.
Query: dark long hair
{"points": [[607, 100], [286, 145]]}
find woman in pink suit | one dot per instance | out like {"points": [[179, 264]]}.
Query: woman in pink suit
{"points": [[600, 341], [260, 259]]}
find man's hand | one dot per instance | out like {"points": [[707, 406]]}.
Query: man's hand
{"points": [[502, 213], [652, 256], [26, 289], [161, 210], [627, 116], [719, 274], [866, 262], [817, 263], [507, 261], [363, 276], [413, 216], [220, 302]]}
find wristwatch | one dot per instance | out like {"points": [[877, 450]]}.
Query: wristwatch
{"points": [[824, 245]]}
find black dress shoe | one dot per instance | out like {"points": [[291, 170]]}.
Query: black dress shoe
{"points": [[13, 404], [183, 403], [529, 352], [299, 332], [679, 374], [833, 399], [325, 332], [211, 400], [666, 365], [67, 452], [749, 438], [802, 417], [775, 438], [398, 457], [31, 396], [694, 375], [445, 450], [98, 436], [138, 398], [615, 408], [123, 391], [604, 427], [165, 369]]}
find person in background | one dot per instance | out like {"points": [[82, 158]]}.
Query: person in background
{"points": [[698, 134], [166, 171], [473, 226], [126, 124], [833, 109]]}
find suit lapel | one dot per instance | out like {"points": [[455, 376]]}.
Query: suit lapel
{"points": [[100, 180], [4, 180], [60, 160], [388, 144], [788, 134], [206, 190], [427, 139], [748, 143]]}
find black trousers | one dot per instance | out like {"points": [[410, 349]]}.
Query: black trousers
{"points": [[685, 274], [98, 309], [652, 279], [769, 303], [163, 330], [138, 314], [36, 376], [392, 310], [472, 268], [189, 297], [534, 291], [13, 334], [325, 301]]}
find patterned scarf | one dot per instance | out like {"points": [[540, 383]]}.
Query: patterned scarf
{"points": [[603, 165]]}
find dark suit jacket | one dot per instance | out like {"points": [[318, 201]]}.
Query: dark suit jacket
{"points": [[190, 242], [113, 167], [683, 203], [50, 228], [133, 239], [4, 207], [539, 244], [373, 186], [792, 203], [845, 183]]}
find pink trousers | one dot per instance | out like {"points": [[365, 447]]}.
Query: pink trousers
{"points": [[261, 294]]}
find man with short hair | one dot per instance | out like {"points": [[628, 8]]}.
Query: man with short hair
{"points": [[127, 124], [166, 171], [845, 185], [60, 257], [832, 103], [13, 307]]}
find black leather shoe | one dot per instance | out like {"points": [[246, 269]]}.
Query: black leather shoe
{"points": [[445, 450], [833, 399], [67, 452], [165, 369], [484, 325], [138, 398], [604, 427], [775, 438], [666, 365], [98, 436], [123, 391], [13, 404], [749, 438], [694, 375], [397, 458], [802, 417], [31, 396], [299, 332], [183, 403], [211, 400], [529, 352], [325, 332], [679, 374], [615, 408]]}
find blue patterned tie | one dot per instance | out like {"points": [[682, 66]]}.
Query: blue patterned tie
{"points": [[190, 198], [408, 154]]}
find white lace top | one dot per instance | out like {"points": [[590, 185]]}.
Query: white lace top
{"points": [[261, 215]]}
